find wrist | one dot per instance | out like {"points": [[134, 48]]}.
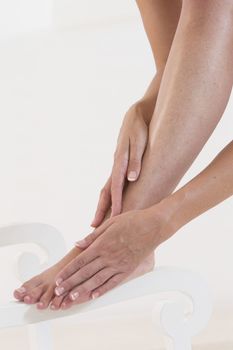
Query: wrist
{"points": [[145, 106], [168, 212]]}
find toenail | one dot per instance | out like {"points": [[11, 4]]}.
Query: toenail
{"points": [[27, 299], [21, 290], [59, 281], [40, 304], [53, 307], [95, 295], [59, 290], [74, 296]]}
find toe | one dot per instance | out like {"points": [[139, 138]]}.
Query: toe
{"points": [[21, 292], [46, 298], [34, 295]]}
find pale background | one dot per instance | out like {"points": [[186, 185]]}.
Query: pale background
{"points": [[69, 70]]}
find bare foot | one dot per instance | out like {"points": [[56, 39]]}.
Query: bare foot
{"points": [[40, 289]]}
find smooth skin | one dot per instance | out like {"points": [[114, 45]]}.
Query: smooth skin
{"points": [[198, 71], [160, 19], [160, 30], [119, 245]]}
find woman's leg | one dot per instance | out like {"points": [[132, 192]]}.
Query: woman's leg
{"points": [[194, 91], [160, 19]]}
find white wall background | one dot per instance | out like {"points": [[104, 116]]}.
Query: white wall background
{"points": [[64, 89]]}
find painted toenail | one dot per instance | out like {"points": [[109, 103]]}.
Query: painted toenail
{"points": [[95, 295], [21, 290], [59, 291], [74, 296], [59, 281]]}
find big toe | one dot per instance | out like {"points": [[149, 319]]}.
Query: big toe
{"points": [[21, 292]]}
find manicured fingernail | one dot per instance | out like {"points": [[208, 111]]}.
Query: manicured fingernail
{"points": [[74, 296], [21, 290], [59, 281], [95, 295], [81, 243], [132, 176], [59, 291]]}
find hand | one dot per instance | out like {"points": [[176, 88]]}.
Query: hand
{"points": [[115, 250], [131, 144]]}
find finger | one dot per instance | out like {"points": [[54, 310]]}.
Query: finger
{"points": [[89, 239], [80, 276], [45, 299], [103, 204], [67, 302], [108, 285], [135, 160], [77, 263], [118, 179], [94, 282], [56, 302]]}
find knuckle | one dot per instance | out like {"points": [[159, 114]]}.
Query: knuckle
{"points": [[114, 281], [135, 160], [79, 262], [98, 279], [84, 276]]}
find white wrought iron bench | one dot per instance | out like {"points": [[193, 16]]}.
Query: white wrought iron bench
{"points": [[177, 324]]}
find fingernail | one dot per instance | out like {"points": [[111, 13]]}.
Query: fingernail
{"points": [[81, 243], [95, 295], [132, 176], [59, 281], [21, 290], [74, 296], [52, 307], [59, 291]]}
